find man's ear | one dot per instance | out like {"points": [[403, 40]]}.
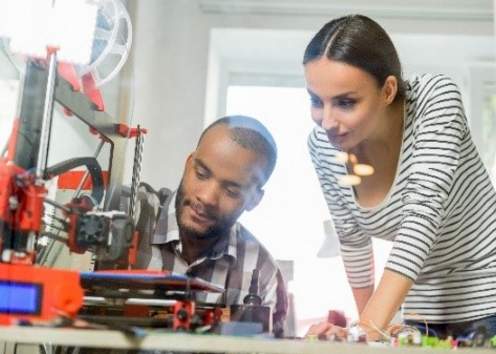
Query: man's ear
{"points": [[256, 198], [390, 89], [188, 161]]}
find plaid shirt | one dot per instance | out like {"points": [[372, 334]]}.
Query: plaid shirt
{"points": [[229, 263]]}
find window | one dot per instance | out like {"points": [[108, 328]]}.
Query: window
{"points": [[290, 219], [481, 113], [489, 132], [8, 105]]}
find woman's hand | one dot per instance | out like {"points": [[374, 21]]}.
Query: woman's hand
{"points": [[356, 333], [326, 330], [384, 303]]}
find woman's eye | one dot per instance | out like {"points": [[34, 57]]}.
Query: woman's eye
{"points": [[346, 103], [315, 101]]}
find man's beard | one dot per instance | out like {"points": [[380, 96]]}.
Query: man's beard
{"points": [[221, 226]]}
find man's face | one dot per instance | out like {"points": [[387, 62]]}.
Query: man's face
{"points": [[221, 180]]}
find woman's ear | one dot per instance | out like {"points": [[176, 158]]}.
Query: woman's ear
{"points": [[390, 89], [255, 199]]}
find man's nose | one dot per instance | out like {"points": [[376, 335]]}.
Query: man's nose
{"points": [[208, 193]]}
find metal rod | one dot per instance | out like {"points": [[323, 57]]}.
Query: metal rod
{"points": [[56, 218], [138, 152], [47, 115], [98, 300], [87, 173], [54, 236], [58, 205], [54, 227]]}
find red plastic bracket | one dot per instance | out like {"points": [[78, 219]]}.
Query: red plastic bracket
{"points": [[94, 94], [126, 132]]}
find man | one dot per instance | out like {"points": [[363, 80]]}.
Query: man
{"points": [[194, 231]]}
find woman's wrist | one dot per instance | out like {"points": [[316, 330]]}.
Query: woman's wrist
{"points": [[361, 331], [356, 333]]}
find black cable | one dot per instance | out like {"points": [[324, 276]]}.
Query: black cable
{"points": [[58, 205], [56, 218], [53, 226], [43, 349], [94, 170]]}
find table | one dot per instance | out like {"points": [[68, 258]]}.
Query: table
{"points": [[197, 343]]}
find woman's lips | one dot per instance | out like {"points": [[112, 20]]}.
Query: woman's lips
{"points": [[338, 138]]}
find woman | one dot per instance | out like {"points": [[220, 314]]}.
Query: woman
{"points": [[430, 193]]}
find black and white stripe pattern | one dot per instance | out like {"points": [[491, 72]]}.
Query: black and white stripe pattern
{"points": [[440, 212]]}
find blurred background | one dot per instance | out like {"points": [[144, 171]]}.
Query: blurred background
{"points": [[192, 61]]}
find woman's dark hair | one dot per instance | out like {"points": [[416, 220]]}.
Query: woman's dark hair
{"points": [[361, 42]]}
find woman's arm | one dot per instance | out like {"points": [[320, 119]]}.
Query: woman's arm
{"points": [[384, 303], [362, 297], [376, 309], [440, 134], [355, 246]]}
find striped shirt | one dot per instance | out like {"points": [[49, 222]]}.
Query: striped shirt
{"points": [[440, 212], [228, 264]]}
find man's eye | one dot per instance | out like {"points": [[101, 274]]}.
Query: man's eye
{"points": [[233, 193], [201, 174]]}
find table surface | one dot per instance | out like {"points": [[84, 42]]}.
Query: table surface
{"points": [[195, 343]]}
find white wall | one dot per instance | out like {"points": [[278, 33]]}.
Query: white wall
{"points": [[170, 68], [171, 56]]}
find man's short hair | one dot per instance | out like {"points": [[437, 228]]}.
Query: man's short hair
{"points": [[251, 134]]}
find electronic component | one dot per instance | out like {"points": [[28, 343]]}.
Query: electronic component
{"points": [[31, 293]]}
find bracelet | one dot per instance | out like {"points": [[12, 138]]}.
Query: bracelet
{"points": [[356, 333]]}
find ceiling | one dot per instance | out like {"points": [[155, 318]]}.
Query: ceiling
{"points": [[451, 10]]}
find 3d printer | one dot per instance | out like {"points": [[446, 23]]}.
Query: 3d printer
{"points": [[95, 221], [28, 291]]}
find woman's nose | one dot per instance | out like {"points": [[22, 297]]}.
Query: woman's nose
{"points": [[328, 119]]}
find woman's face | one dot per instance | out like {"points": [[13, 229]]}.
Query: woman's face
{"points": [[346, 101]]}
